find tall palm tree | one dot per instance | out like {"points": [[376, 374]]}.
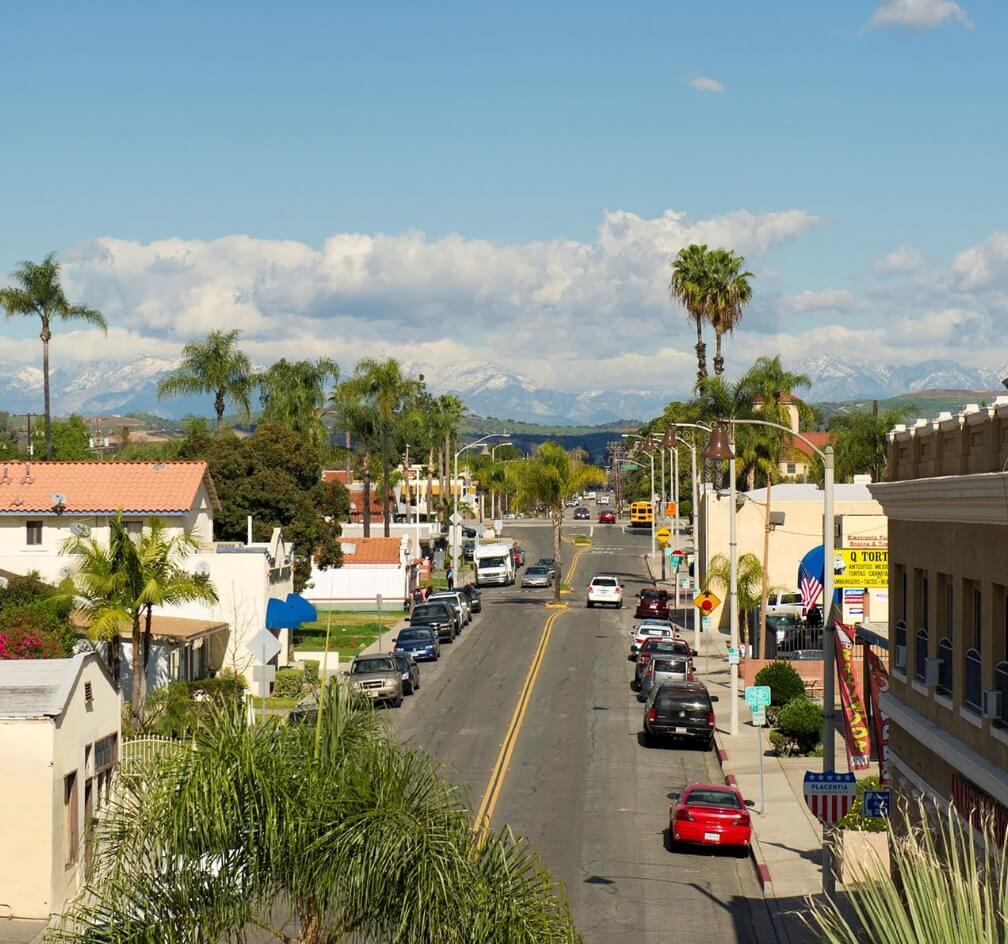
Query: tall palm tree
{"points": [[38, 293], [294, 394], [689, 274], [357, 416], [121, 585], [550, 478], [309, 834], [451, 411], [725, 293], [215, 366]]}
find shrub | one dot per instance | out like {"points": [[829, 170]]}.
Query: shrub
{"points": [[785, 683], [289, 683], [802, 720], [855, 818], [311, 671], [23, 591]]}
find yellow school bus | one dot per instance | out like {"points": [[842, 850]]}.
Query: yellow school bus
{"points": [[641, 514]]}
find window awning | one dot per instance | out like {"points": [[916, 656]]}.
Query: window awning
{"points": [[301, 607], [281, 615]]}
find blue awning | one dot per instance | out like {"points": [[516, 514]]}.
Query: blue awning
{"points": [[301, 607], [281, 615]]}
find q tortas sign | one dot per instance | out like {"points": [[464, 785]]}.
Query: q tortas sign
{"points": [[857, 567]]}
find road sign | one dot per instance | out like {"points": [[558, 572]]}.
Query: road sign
{"points": [[263, 646], [733, 656], [877, 803], [706, 602], [829, 795], [757, 696], [455, 518], [670, 509], [663, 534], [861, 567], [759, 716]]}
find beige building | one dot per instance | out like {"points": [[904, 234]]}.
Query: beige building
{"points": [[59, 745], [947, 502], [858, 520]]}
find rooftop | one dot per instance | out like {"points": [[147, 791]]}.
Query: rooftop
{"points": [[371, 550], [38, 688]]}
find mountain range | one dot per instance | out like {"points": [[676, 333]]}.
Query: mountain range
{"points": [[119, 387]]}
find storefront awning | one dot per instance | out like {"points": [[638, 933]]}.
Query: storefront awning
{"points": [[281, 615], [302, 608]]}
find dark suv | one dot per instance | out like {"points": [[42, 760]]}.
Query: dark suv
{"points": [[437, 617], [680, 709]]}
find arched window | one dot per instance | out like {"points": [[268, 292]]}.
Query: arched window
{"points": [[972, 671], [920, 654]]}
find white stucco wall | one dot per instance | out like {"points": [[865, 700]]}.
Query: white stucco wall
{"points": [[357, 585]]}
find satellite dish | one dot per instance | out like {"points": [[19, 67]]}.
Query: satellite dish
{"points": [[79, 529], [82, 647], [65, 572], [58, 499], [203, 569]]}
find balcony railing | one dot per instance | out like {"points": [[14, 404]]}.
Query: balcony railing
{"points": [[945, 667], [972, 670]]}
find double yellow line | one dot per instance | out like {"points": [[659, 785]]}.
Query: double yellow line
{"points": [[484, 814]]}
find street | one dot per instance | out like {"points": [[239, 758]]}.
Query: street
{"points": [[577, 782]]}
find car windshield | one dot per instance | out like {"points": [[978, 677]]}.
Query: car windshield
{"points": [[412, 635], [653, 594], [537, 571], [492, 561], [429, 612], [663, 645], [546, 561], [721, 798], [604, 582], [361, 666]]}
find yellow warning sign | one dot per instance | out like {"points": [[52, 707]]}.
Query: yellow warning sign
{"points": [[663, 534], [706, 602], [861, 567]]}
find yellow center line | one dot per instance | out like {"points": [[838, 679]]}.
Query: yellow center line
{"points": [[484, 814]]}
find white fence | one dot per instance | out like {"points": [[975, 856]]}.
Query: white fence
{"points": [[138, 751]]}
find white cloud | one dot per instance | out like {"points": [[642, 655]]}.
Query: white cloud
{"points": [[830, 299], [901, 259], [918, 14], [983, 265], [704, 83]]}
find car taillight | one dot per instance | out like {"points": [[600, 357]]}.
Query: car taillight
{"points": [[742, 820], [652, 715], [685, 815], [710, 718]]}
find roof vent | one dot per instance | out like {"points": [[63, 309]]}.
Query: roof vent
{"points": [[88, 693], [348, 548], [6, 475], [27, 479], [160, 466]]}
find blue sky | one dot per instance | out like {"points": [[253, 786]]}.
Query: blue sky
{"points": [[504, 135]]}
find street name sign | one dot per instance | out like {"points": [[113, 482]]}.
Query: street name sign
{"points": [[757, 696], [829, 795], [877, 803]]}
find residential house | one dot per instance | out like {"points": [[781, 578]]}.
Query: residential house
{"points": [[44, 504], [371, 567], [947, 698], [799, 461], [59, 745]]}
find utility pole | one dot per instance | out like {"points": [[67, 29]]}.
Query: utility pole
{"points": [[31, 449]]}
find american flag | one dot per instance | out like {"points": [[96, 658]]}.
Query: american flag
{"points": [[810, 589]]}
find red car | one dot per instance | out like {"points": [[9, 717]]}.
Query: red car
{"points": [[607, 517], [652, 602], [710, 814]]}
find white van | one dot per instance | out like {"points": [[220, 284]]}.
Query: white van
{"points": [[494, 565]]}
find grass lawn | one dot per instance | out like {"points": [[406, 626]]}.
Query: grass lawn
{"points": [[274, 701], [349, 631]]}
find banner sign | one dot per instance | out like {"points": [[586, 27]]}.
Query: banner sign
{"points": [[855, 721], [829, 795], [855, 567], [878, 676]]}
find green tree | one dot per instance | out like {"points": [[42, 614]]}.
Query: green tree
{"points": [[10, 448], [311, 834], [120, 584], [215, 366], [726, 291], [687, 286], [549, 478], [295, 394], [38, 293], [749, 582], [447, 422], [861, 443], [70, 440], [356, 415]]}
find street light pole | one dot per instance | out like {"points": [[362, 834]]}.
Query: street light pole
{"points": [[456, 544], [493, 491], [733, 593]]}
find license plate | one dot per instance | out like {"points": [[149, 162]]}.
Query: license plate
{"points": [[712, 837], [680, 730]]}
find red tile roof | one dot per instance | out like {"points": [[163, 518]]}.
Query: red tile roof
{"points": [[103, 487], [336, 475], [818, 439], [357, 505], [371, 550]]}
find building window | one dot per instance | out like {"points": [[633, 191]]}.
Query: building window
{"points": [[945, 666], [948, 602], [33, 533], [1001, 684], [976, 616], [920, 654], [792, 468], [925, 601], [134, 529], [901, 642], [70, 816], [903, 592], [972, 672]]}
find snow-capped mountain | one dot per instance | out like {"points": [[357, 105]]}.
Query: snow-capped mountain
{"points": [[104, 387]]}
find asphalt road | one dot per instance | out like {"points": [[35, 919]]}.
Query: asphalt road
{"points": [[578, 783]]}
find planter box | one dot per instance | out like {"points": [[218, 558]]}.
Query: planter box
{"points": [[332, 665], [861, 856]]}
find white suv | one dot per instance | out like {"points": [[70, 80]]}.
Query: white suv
{"points": [[605, 589]]}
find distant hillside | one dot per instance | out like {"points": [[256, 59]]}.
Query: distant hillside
{"points": [[923, 403]]}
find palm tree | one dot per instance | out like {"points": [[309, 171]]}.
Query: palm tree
{"points": [[749, 581], [726, 291], [294, 395], [860, 441], [549, 479], [213, 366], [39, 293], [356, 415], [309, 834], [689, 275], [451, 411], [121, 585]]}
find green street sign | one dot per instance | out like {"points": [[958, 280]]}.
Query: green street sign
{"points": [[630, 465]]}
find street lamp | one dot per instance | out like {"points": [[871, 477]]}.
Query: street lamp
{"points": [[455, 542], [829, 656], [654, 510]]}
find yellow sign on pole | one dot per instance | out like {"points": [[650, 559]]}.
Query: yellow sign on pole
{"points": [[663, 534], [706, 602], [860, 567]]}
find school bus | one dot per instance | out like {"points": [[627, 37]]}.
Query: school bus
{"points": [[641, 514]]}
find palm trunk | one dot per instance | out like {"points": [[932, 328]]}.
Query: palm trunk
{"points": [[765, 587], [45, 390], [557, 535], [386, 476], [219, 410], [718, 359], [366, 495], [139, 680], [701, 349], [149, 617], [349, 458], [447, 473], [428, 503]]}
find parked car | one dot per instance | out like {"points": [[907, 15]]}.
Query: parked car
{"points": [[456, 597], [649, 629], [657, 647], [607, 517], [420, 642], [603, 499], [665, 668], [582, 514], [537, 576], [711, 814], [468, 532], [680, 709], [379, 677], [475, 600], [410, 671], [785, 601], [438, 617], [468, 549], [652, 602], [549, 563], [605, 589]]}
